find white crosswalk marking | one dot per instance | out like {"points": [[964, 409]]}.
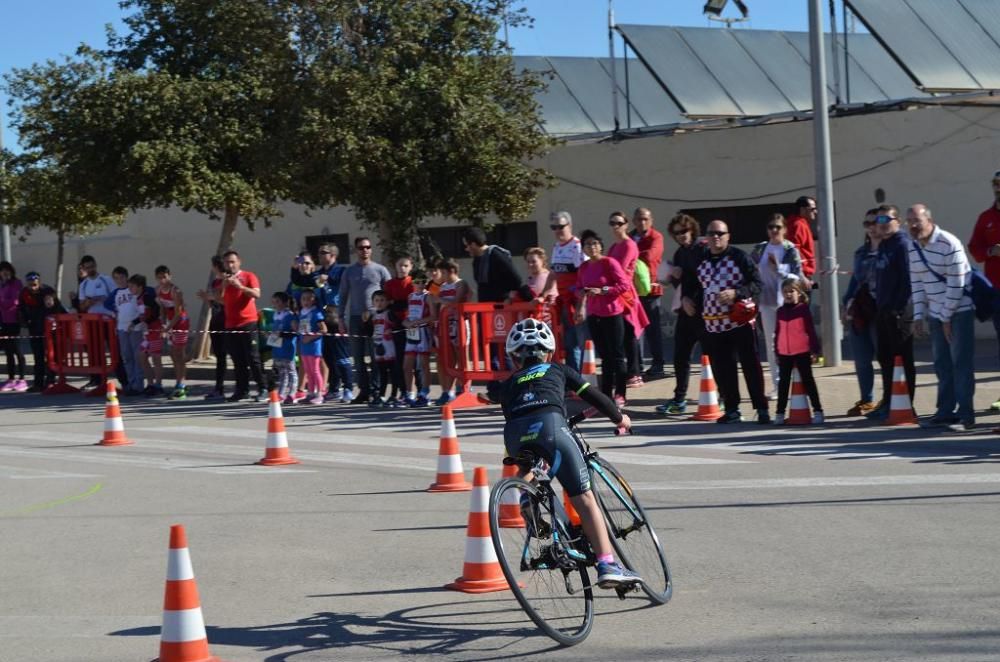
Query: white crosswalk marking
{"points": [[824, 481], [30, 473]]}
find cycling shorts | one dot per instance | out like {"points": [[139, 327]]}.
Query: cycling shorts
{"points": [[547, 434]]}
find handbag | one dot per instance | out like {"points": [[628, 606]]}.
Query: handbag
{"points": [[862, 310], [979, 289]]}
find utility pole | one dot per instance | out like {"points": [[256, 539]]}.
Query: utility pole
{"points": [[829, 304]]}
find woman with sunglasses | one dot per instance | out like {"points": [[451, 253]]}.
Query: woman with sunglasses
{"points": [[626, 251], [859, 314], [776, 260], [601, 282]]}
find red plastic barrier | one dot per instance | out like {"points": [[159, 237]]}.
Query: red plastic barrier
{"points": [[80, 345], [481, 330]]}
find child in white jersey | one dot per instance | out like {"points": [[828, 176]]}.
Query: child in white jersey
{"points": [[282, 340], [385, 348], [418, 342]]}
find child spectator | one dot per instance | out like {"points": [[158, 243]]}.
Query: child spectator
{"points": [[176, 326], [453, 290], [795, 344], [398, 290], [312, 326], [151, 347], [341, 372], [418, 324], [32, 312], [126, 305], [385, 348], [282, 341]]}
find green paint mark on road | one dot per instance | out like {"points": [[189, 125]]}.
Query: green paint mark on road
{"points": [[52, 504]]}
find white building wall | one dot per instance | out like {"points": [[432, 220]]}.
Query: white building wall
{"points": [[943, 157]]}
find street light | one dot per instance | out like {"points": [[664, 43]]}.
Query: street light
{"points": [[713, 10]]}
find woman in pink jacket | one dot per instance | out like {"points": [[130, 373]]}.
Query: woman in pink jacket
{"points": [[10, 328], [626, 251], [795, 343], [601, 282]]}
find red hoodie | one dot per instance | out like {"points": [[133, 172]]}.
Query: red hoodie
{"points": [[801, 235]]}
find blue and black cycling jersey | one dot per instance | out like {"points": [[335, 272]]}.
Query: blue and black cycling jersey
{"points": [[542, 387]]}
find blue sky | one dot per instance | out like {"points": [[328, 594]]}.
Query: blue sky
{"points": [[37, 30]]}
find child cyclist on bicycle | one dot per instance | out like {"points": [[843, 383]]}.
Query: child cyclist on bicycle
{"points": [[533, 404]]}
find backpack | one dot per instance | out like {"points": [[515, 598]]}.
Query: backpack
{"points": [[643, 285]]}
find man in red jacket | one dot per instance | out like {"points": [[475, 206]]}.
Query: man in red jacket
{"points": [[800, 234], [985, 247]]}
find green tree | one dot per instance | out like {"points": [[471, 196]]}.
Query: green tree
{"points": [[37, 194], [417, 111]]}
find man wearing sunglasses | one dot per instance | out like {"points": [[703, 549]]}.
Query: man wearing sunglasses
{"points": [[727, 278], [359, 282], [567, 256], [800, 233], [985, 247], [893, 301]]}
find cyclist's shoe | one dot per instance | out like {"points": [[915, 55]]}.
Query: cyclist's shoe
{"points": [[613, 575]]}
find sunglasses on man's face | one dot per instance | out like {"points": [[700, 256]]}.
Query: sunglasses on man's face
{"points": [[365, 248], [716, 233], [557, 227], [884, 219]]}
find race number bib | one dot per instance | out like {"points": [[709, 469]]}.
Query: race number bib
{"points": [[274, 340]]}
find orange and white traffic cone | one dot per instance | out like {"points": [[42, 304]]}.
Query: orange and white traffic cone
{"points": [[708, 394], [276, 452], [183, 637], [588, 369], [114, 428], [481, 572], [574, 517], [798, 409], [510, 507], [450, 475], [900, 407]]}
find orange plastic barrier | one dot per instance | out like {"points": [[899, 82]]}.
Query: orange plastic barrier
{"points": [[80, 345], [471, 335]]}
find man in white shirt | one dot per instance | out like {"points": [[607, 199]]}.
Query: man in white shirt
{"points": [[94, 289], [940, 276]]}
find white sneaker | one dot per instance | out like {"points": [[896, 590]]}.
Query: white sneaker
{"points": [[772, 396], [779, 419], [346, 396], [818, 418]]}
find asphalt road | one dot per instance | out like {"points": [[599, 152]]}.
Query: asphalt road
{"points": [[845, 542]]}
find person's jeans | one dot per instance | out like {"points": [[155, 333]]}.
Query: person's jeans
{"points": [[654, 332], [129, 343], [863, 351], [246, 358], [953, 365], [895, 338], [768, 325], [573, 337], [361, 348]]}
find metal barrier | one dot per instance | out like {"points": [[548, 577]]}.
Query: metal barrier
{"points": [[80, 345], [471, 339]]}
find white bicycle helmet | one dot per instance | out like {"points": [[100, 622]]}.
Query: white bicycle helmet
{"points": [[530, 337]]}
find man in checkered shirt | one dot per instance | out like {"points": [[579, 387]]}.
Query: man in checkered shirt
{"points": [[728, 276]]}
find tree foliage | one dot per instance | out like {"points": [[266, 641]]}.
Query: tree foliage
{"points": [[404, 109]]}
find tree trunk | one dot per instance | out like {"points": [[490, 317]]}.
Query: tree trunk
{"points": [[60, 258], [200, 348]]}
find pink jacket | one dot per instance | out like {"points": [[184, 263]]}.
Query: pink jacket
{"points": [[627, 253], [604, 272], [794, 332], [10, 293]]}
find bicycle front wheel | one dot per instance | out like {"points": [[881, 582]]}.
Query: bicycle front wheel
{"points": [[631, 532], [555, 594]]}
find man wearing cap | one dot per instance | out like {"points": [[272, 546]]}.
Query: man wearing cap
{"points": [[940, 274], [650, 242], [985, 247], [894, 319], [567, 256]]}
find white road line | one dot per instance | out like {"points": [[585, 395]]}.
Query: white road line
{"points": [[828, 481], [104, 456], [494, 449], [29, 473]]}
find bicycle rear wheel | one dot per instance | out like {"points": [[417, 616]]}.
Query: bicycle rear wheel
{"points": [[555, 594], [631, 532]]}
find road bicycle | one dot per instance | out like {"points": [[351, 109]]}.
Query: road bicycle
{"points": [[547, 560]]}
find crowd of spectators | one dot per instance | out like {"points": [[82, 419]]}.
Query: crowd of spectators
{"points": [[336, 327]]}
